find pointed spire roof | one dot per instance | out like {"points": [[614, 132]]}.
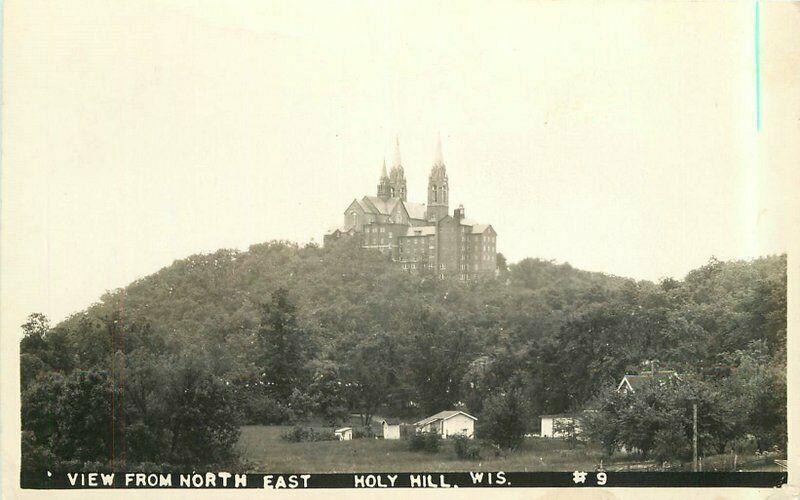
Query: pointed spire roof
{"points": [[383, 170], [397, 162], [438, 159], [438, 170]]}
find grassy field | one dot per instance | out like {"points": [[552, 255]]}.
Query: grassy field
{"points": [[264, 450], [263, 447]]}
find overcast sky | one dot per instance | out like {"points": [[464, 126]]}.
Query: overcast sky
{"points": [[618, 137]]}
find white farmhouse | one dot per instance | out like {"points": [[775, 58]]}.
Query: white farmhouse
{"points": [[449, 423]]}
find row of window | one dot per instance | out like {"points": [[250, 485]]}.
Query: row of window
{"points": [[463, 276], [485, 255], [414, 266]]}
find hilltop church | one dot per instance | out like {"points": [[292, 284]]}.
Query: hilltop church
{"points": [[419, 236]]}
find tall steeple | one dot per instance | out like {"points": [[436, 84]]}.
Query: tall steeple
{"points": [[384, 185], [397, 177], [438, 189], [397, 162]]}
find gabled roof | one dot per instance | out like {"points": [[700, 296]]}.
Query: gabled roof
{"points": [[633, 382], [443, 415], [415, 210], [383, 206], [480, 228], [356, 203], [343, 429], [391, 421], [399, 208]]}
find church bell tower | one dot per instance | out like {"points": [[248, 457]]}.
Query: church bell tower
{"points": [[438, 189], [384, 185], [397, 177]]}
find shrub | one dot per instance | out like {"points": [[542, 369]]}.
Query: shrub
{"points": [[265, 410], [36, 459], [505, 418], [299, 434], [296, 434], [407, 430], [363, 432], [671, 444], [569, 429], [746, 445], [429, 441], [323, 435], [466, 448]]}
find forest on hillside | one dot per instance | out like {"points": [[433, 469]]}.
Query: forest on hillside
{"points": [[163, 372]]}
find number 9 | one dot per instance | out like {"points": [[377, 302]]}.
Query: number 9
{"points": [[601, 478]]}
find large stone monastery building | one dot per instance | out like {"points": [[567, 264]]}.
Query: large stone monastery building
{"points": [[419, 236]]}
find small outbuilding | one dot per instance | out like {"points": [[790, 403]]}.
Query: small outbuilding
{"points": [[391, 429], [344, 434], [449, 423], [556, 425]]}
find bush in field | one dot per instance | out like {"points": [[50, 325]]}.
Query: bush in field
{"points": [[364, 432], [466, 448], [296, 434], [505, 418], [323, 435], [429, 441], [407, 430], [671, 443], [569, 429]]}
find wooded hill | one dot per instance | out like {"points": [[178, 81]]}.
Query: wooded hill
{"points": [[282, 333]]}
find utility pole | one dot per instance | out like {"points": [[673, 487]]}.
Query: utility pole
{"points": [[694, 426]]}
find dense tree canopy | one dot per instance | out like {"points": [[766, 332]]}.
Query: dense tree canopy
{"points": [[281, 332]]}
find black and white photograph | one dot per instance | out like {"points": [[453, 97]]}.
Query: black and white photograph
{"points": [[399, 245]]}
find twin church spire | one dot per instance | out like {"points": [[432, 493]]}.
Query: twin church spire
{"points": [[394, 183]]}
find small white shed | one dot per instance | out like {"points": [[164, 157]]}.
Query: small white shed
{"points": [[391, 429], [344, 434], [449, 423], [551, 424]]}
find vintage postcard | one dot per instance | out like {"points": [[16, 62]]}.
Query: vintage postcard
{"points": [[504, 248]]}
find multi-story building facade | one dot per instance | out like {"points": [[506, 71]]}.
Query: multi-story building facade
{"points": [[417, 235]]}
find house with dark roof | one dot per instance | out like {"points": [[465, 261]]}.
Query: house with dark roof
{"points": [[448, 423], [420, 236]]}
